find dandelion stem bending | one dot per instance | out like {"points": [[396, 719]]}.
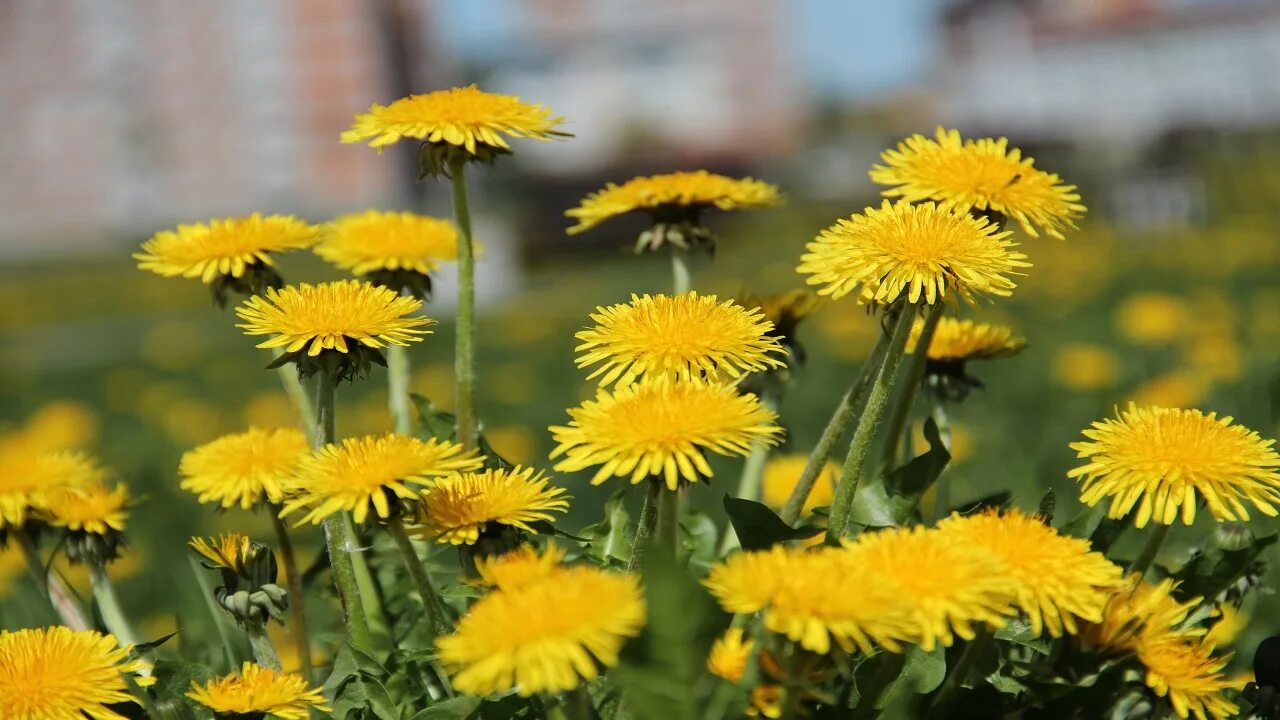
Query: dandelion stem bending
{"points": [[109, 605], [752, 470], [681, 280], [297, 395], [852, 403], [464, 360], [431, 602], [60, 598], [647, 526], [215, 613], [915, 362], [264, 653], [869, 424], [297, 601], [1142, 563], [337, 538], [398, 389]]}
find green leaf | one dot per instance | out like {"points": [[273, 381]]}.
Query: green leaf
{"points": [[1018, 631], [1085, 522], [758, 527], [432, 422], [1225, 559], [350, 701], [698, 539], [379, 700], [1106, 533], [906, 485], [922, 673], [365, 663], [458, 708], [1048, 504], [873, 508], [994, 500], [173, 681], [460, 591], [610, 539]]}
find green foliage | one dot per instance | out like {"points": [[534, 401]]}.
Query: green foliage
{"points": [[760, 528]]}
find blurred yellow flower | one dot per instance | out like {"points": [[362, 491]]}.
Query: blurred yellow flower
{"points": [[174, 346], [1176, 389], [28, 484], [374, 240], [1214, 357], [1231, 621], [1085, 366], [458, 508], [1151, 318], [244, 468], [94, 509], [257, 691], [1189, 675], [269, 409], [58, 425], [981, 175], [657, 194], [54, 673], [781, 473], [729, 655], [519, 567], [513, 443], [223, 247]]}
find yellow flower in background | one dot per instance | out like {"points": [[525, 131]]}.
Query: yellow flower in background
{"points": [[544, 636], [660, 428], [258, 691], [1141, 612], [330, 315], [269, 408], [1214, 357], [1058, 578], [1189, 675], [513, 443], [1231, 622], [56, 673], [55, 426], [370, 471], [681, 191], [1152, 318], [786, 310], [243, 468], [920, 251], [781, 473], [729, 655], [1175, 389], [232, 551], [29, 483], [12, 565], [979, 175], [519, 567], [945, 588], [95, 509], [1085, 366], [458, 508], [375, 240], [963, 340], [682, 336], [464, 117], [1167, 457], [223, 247]]}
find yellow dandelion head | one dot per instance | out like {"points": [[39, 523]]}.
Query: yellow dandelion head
{"points": [[95, 509], [243, 468], [729, 655], [458, 508], [329, 316], [1085, 366], [920, 251], [781, 473], [1165, 457], [682, 336], [224, 247], [519, 567], [679, 192], [56, 672], [660, 428], [376, 470], [373, 240], [979, 175], [1190, 676], [464, 117], [231, 551], [259, 691], [963, 340], [1153, 318], [1230, 623], [1141, 612], [944, 587], [544, 636], [1058, 578], [29, 483]]}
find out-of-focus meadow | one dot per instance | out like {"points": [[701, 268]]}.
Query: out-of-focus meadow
{"points": [[1167, 294]]}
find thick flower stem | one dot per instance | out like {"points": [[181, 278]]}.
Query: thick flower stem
{"points": [[398, 389], [60, 598], [647, 526], [464, 360], [668, 532], [431, 602], [752, 470], [337, 538], [297, 600], [264, 653], [297, 395], [681, 280], [1142, 563], [852, 403], [109, 605], [869, 425], [914, 374]]}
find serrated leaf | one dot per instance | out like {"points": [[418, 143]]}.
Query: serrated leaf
{"points": [[760, 528]]}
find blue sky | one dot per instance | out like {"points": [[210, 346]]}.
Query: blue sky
{"points": [[847, 48]]}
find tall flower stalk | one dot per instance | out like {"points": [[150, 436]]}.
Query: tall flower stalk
{"points": [[467, 424], [913, 375], [104, 592]]}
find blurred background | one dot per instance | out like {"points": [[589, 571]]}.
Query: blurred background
{"points": [[124, 117]]}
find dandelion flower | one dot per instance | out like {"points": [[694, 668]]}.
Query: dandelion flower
{"points": [[729, 655], [230, 551], [781, 473], [392, 249], [1190, 677], [679, 195], [1152, 318], [981, 175], [258, 691], [921, 251], [519, 567], [243, 468], [1231, 622], [786, 311], [29, 483], [54, 673], [683, 336], [1141, 612], [1058, 579], [372, 470], [458, 508], [959, 341], [662, 428], [1165, 457], [94, 510], [544, 636], [464, 117]]}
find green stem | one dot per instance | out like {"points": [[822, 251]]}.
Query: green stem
{"points": [[647, 526], [915, 367], [437, 617], [264, 653], [215, 612], [682, 281], [398, 389], [336, 536], [668, 531], [375, 615], [464, 360], [852, 403], [752, 471], [1143, 562], [297, 597], [109, 605], [791, 691], [297, 395], [869, 425], [942, 490], [60, 598]]}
